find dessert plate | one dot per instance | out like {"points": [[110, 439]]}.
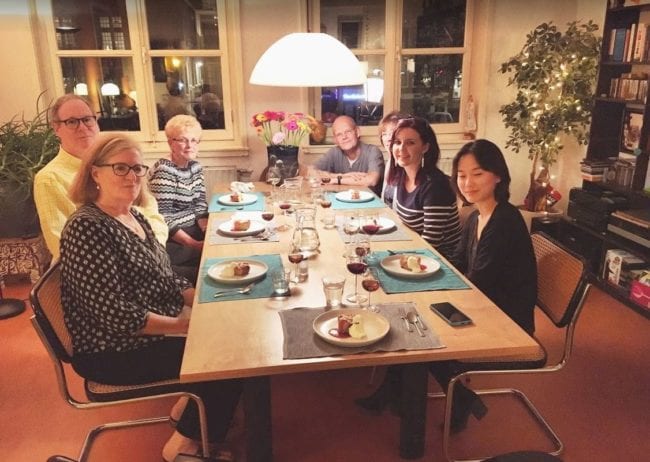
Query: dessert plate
{"points": [[391, 265], [375, 325], [226, 228], [346, 196], [386, 225], [245, 199], [257, 271]]}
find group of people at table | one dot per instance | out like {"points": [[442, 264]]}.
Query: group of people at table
{"points": [[129, 241]]}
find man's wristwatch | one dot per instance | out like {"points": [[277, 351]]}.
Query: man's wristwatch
{"points": [[338, 179]]}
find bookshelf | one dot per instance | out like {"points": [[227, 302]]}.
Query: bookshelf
{"points": [[616, 163]]}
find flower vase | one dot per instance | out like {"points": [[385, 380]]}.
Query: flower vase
{"points": [[289, 157]]}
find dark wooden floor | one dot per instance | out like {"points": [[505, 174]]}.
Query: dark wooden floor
{"points": [[599, 405]]}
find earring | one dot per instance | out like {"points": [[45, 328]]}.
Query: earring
{"points": [[422, 161], [97, 186]]}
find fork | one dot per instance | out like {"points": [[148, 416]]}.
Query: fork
{"points": [[265, 236], [402, 314]]}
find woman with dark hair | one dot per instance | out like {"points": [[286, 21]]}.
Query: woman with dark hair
{"points": [[495, 253], [417, 189]]}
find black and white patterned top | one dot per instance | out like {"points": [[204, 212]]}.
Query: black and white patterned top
{"points": [[180, 192], [111, 279], [430, 210]]}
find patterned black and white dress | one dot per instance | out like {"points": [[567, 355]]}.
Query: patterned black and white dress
{"points": [[430, 210]]}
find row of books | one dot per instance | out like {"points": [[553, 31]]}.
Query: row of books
{"points": [[631, 87], [594, 169], [631, 44]]}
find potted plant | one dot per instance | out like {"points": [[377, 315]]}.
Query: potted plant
{"points": [[26, 146], [555, 75]]}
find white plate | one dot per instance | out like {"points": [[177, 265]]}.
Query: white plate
{"points": [[390, 264], [256, 227], [375, 325], [245, 199], [387, 225], [346, 196], [258, 270]]}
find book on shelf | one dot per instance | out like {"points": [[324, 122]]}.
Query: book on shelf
{"points": [[640, 42], [618, 47], [593, 178], [629, 43]]}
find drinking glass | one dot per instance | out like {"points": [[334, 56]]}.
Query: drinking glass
{"points": [[356, 265], [328, 218], [295, 257], [351, 226], [370, 224], [370, 283], [268, 214], [285, 206]]}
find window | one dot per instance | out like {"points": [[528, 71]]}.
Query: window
{"points": [[141, 62], [427, 39]]}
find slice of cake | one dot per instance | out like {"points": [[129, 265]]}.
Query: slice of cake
{"points": [[241, 225], [235, 197], [411, 263], [236, 268], [355, 194]]}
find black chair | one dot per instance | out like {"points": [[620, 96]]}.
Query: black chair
{"points": [[51, 329], [562, 288]]}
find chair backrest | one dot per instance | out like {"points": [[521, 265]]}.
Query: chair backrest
{"points": [[48, 313], [561, 279]]}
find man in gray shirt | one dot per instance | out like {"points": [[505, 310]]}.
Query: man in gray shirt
{"points": [[351, 162]]}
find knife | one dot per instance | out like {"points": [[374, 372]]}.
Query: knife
{"points": [[419, 320]]}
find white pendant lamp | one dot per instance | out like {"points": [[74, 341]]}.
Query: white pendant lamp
{"points": [[308, 59]]}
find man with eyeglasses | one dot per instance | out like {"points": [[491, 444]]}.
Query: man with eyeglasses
{"points": [[75, 124], [351, 162]]}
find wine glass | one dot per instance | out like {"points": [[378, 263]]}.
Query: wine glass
{"points": [[268, 214], [328, 219], [356, 265], [370, 283], [295, 257], [285, 206], [351, 227], [370, 224]]}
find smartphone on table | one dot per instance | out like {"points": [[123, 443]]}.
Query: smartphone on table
{"points": [[452, 315]]}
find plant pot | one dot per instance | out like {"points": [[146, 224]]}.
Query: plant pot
{"points": [[18, 217]]}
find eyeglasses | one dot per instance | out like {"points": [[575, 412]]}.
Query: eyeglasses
{"points": [[347, 132], [122, 169], [73, 122], [186, 141]]}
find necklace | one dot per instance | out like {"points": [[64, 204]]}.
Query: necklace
{"points": [[132, 223]]}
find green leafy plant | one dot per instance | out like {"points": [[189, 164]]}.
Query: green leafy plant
{"points": [[555, 75], [26, 146]]}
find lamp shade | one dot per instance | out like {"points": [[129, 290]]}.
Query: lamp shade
{"points": [[307, 59], [110, 89]]}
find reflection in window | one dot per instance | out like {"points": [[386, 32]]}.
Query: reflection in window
{"points": [[433, 24], [431, 87], [109, 86], [175, 25], [188, 85]]}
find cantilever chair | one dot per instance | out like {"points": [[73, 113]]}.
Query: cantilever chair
{"points": [[50, 326], [562, 288]]}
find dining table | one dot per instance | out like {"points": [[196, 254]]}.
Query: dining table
{"points": [[244, 336]]}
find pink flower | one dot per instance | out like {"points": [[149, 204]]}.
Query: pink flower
{"points": [[278, 138], [281, 128]]}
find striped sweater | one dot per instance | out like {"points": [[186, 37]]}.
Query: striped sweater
{"points": [[430, 210], [180, 193]]}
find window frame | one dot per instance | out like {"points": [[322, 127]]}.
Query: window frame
{"points": [[228, 139], [394, 53]]}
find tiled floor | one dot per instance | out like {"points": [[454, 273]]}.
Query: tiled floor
{"points": [[599, 405]]}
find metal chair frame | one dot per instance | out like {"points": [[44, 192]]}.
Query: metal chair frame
{"points": [[46, 304], [550, 278]]}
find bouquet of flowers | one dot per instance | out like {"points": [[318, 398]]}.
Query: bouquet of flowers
{"points": [[282, 128]]}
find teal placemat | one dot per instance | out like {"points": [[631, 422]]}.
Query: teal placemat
{"points": [[263, 288], [375, 203], [443, 279], [216, 206]]}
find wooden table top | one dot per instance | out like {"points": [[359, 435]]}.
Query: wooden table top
{"points": [[244, 338]]}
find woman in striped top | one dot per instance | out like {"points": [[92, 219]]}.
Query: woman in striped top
{"points": [[179, 188], [417, 190]]}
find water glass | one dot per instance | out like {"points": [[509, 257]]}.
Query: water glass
{"points": [[333, 288], [280, 278]]}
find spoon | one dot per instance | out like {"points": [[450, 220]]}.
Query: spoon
{"points": [[243, 290], [413, 319], [398, 252]]}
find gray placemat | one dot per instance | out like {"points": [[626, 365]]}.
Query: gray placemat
{"points": [[215, 237], [398, 234], [300, 340]]}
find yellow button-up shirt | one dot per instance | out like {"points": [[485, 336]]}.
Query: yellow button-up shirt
{"points": [[54, 206]]}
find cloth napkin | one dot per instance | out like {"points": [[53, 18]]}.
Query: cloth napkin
{"points": [[398, 234], [216, 206], [375, 203], [238, 186], [300, 340], [443, 279], [263, 288], [215, 237]]}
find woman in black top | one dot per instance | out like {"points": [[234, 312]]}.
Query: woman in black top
{"points": [[120, 295], [495, 253]]}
